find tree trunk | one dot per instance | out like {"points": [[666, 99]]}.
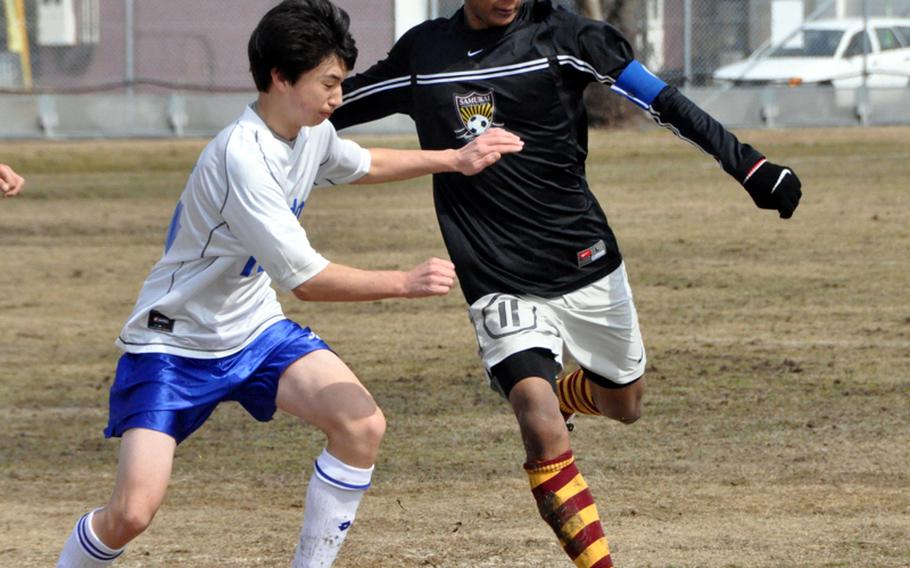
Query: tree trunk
{"points": [[591, 9]]}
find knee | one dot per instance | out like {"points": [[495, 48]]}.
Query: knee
{"points": [[628, 415], [543, 433], [125, 521], [536, 414], [135, 521], [622, 405], [540, 420], [371, 429], [626, 411], [362, 434]]}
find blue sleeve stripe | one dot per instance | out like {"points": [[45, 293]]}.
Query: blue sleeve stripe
{"points": [[174, 228], [638, 84], [248, 267]]}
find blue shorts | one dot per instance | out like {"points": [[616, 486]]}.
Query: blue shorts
{"points": [[176, 395]]}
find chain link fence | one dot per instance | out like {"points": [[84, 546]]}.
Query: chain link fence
{"points": [[183, 60]]}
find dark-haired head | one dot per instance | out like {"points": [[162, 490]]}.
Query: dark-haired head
{"points": [[295, 37]]}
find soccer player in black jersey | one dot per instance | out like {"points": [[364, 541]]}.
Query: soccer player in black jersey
{"points": [[536, 258]]}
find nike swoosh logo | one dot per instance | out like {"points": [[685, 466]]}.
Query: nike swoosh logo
{"points": [[473, 53], [783, 174]]}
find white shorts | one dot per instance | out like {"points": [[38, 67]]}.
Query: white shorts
{"points": [[596, 324]]}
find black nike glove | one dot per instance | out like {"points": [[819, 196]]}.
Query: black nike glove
{"points": [[774, 187]]}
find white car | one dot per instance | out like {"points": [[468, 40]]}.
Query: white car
{"points": [[830, 52]]}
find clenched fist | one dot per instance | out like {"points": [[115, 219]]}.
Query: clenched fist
{"points": [[774, 187], [11, 183], [433, 277]]}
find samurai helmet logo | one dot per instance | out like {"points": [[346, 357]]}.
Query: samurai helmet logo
{"points": [[476, 113]]}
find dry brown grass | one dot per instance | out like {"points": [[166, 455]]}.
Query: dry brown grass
{"points": [[776, 427]]}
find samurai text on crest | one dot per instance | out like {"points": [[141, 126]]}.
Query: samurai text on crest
{"points": [[476, 113]]}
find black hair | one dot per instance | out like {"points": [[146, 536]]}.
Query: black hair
{"points": [[296, 36]]}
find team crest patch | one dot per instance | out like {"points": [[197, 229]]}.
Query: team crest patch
{"points": [[476, 113]]}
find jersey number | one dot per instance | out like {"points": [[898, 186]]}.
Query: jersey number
{"points": [[507, 315]]}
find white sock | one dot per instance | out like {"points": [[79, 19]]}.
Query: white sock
{"points": [[331, 503], [83, 548]]}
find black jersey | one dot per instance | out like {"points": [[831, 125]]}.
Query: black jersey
{"points": [[528, 224]]}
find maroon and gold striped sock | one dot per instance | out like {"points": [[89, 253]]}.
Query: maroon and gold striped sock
{"points": [[575, 396], [566, 504]]}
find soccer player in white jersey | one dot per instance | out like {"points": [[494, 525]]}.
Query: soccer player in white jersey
{"points": [[11, 183], [208, 327]]}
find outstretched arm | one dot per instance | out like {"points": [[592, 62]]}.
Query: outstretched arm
{"points": [[382, 90], [606, 56], [340, 283], [11, 183], [480, 153], [256, 211], [771, 186]]}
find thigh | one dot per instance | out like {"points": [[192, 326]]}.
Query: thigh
{"points": [[507, 324], [168, 393], [519, 366], [600, 328], [321, 390], [270, 356], [144, 469]]}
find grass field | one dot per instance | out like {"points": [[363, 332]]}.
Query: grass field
{"points": [[776, 429]]}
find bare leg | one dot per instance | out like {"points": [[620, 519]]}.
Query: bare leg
{"points": [[563, 498], [579, 394], [144, 470], [543, 430], [99, 536], [320, 389], [622, 404]]}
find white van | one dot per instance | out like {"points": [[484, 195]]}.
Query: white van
{"points": [[830, 52]]}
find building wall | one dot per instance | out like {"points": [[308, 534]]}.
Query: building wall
{"points": [[189, 42]]}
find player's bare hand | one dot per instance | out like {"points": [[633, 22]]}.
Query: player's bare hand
{"points": [[11, 183], [486, 150], [433, 277]]}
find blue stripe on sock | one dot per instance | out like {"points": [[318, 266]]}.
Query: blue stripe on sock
{"points": [[88, 547], [333, 481]]}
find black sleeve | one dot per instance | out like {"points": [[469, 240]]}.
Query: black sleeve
{"points": [[589, 50], [605, 48], [687, 120], [381, 90], [603, 54]]}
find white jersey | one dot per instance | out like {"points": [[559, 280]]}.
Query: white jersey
{"points": [[235, 230]]}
